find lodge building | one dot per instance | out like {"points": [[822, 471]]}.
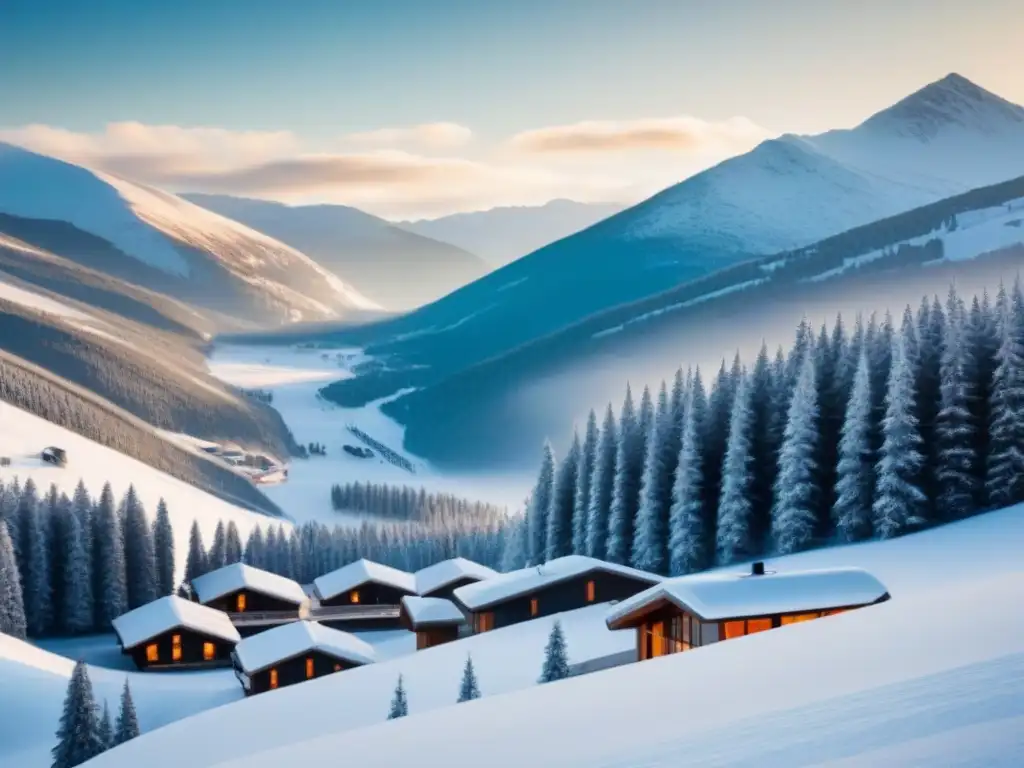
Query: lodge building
{"points": [[254, 599], [442, 579], [563, 584], [295, 652], [173, 633], [692, 611], [434, 620], [363, 595]]}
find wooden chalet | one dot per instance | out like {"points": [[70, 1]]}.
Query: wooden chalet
{"points": [[296, 652], [442, 579], [564, 584], [434, 620], [361, 595], [692, 611], [254, 599], [173, 633]]}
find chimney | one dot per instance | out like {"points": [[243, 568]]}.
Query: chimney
{"points": [[757, 569]]}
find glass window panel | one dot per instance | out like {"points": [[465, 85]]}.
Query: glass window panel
{"points": [[708, 632], [591, 591], [534, 606], [734, 629], [209, 651], [758, 625], [176, 647], [152, 653], [309, 668], [354, 597], [799, 617], [240, 604], [273, 678]]}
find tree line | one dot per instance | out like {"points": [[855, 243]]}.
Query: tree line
{"points": [[407, 503], [84, 731], [871, 432]]}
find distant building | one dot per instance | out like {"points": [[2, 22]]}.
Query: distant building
{"points": [[360, 596], [442, 579], [296, 652], [253, 598], [692, 611], [175, 633], [54, 455], [434, 620], [564, 584]]}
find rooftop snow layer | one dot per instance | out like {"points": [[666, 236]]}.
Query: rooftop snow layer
{"points": [[442, 574], [736, 595], [236, 576], [287, 641], [149, 620], [508, 585], [361, 572], [424, 611]]}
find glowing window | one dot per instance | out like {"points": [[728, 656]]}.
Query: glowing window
{"points": [[799, 617], [591, 591], [337, 667], [484, 622], [309, 668], [758, 625], [273, 678], [534, 607], [734, 629], [175, 647], [152, 653], [354, 596], [209, 651], [240, 603]]}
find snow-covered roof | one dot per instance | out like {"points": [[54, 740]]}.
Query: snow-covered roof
{"points": [[442, 574], [287, 641], [236, 576], [717, 596], [152, 619], [425, 611], [361, 572], [506, 586]]}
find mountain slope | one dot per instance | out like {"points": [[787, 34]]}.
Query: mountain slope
{"points": [[395, 268], [502, 235], [162, 242]]}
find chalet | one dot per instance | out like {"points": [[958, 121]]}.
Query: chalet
{"points": [[254, 599], [296, 652], [691, 611], [434, 620], [172, 633], [364, 583], [442, 579], [564, 584]]}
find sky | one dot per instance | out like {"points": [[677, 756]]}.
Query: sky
{"points": [[420, 108]]}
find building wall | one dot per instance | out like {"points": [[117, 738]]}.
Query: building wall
{"points": [[191, 650], [293, 671], [255, 602], [446, 591], [428, 638], [369, 594]]}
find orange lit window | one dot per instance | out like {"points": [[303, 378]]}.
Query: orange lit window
{"points": [[533, 606], [734, 629], [240, 603], [799, 617], [209, 651], [354, 596], [484, 622], [758, 625], [337, 667], [175, 647], [834, 612], [152, 653], [273, 678], [309, 668], [591, 591]]}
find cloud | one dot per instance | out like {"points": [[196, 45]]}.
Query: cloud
{"points": [[674, 134], [427, 135]]}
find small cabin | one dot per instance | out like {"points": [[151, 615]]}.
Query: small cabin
{"points": [[253, 598], [364, 582], [296, 652], [54, 455], [442, 579], [434, 620], [172, 633], [692, 611], [563, 584]]}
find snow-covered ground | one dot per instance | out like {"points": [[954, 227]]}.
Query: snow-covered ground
{"points": [[934, 676], [295, 375]]}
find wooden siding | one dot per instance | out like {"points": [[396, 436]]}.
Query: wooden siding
{"points": [[255, 602], [369, 594], [292, 671], [191, 651], [428, 638]]}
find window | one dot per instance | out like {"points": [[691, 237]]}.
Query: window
{"points": [[834, 611], [758, 625], [534, 607], [483, 622], [337, 667], [152, 653], [273, 679], [240, 603], [799, 617], [591, 591], [353, 597], [309, 668], [209, 651], [750, 626], [175, 647], [734, 629]]}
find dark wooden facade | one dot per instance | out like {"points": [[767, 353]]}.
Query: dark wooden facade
{"points": [[246, 600], [298, 669], [567, 595], [447, 590], [368, 593], [181, 649], [373, 624], [428, 637]]}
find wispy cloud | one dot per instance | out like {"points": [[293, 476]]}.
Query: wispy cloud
{"points": [[427, 135]]}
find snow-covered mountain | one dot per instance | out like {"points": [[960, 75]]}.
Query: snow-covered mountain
{"points": [[501, 235], [163, 242], [394, 267]]}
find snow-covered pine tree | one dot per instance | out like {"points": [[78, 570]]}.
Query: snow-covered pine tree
{"points": [[584, 476], [233, 546], [931, 323], [855, 486], [163, 550], [716, 432], [629, 465], [82, 507], [646, 416], [899, 501], [601, 486], [879, 340], [35, 568], [218, 554], [56, 513], [735, 535], [765, 435], [399, 703], [795, 520], [77, 608], [802, 343], [127, 727], [255, 548], [983, 342], [563, 501], [111, 595], [556, 656], [1004, 480], [106, 728], [540, 503], [691, 529], [12, 604], [513, 556], [650, 545], [195, 563], [140, 560], [78, 736], [469, 689], [956, 471], [831, 412]]}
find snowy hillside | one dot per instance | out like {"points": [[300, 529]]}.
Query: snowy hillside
{"points": [[911, 681]]}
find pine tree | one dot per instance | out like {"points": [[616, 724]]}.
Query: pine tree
{"points": [[106, 728], [956, 471], [584, 476], [797, 493], [127, 727], [12, 604], [513, 556], [716, 432], [601, 487], [140, 560], [111, 595], [195, 563], [469, 689], [35, 570], [218, 555], [650, 546], [899, 500], [163, 550], [77, 598], [767, 423], [1004, 480], [563, 497], [540, 503], [556, 656], [233, 547], [856, 471], [735, 536], [82, 507], [691, 529], [983, 342], [629, 459], [399, 704], [78, 737]]}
